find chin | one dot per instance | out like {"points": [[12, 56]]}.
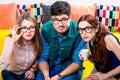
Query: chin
{"points": [[28, 39], [86, 40], [62, 32]]}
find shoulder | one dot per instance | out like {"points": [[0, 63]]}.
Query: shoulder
{"points": [[47, 26], [73, 23], [7, 41], [110, 41], [110, 38], [8, 38]]}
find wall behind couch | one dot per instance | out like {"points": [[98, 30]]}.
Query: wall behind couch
{"points": [[80, 2]]}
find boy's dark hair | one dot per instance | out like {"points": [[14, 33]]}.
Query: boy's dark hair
{"points": [[60, 7]]}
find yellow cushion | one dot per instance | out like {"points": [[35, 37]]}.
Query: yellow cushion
{"points": [[117, 35], [0, 74], [3, 34], [88, 68]]}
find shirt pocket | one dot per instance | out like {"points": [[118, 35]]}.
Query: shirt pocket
{"points": [[66, 51]]}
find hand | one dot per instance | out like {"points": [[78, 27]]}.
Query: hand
{"points": [[47, 78], [81, 57], [56, 77], [30, 74], [99, 76], [14, 31]]}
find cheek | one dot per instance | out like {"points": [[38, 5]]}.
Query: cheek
{"points": [[23, 35], [55, 26], [91, 36], [32, 35]]}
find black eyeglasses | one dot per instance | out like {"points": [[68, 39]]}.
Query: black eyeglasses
{"points": [[63, 20], [25, 28], [87, 29]]}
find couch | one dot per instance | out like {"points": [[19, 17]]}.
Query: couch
{"points": [[107, 14]]}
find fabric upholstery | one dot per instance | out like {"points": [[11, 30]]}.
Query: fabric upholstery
{"points": [[36, 9], [109, 16], [46, 13], [77, 11], [8, 15]]}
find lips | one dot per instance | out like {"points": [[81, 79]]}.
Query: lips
{"points": [[61, 27], [28, 35], [85, 37]]}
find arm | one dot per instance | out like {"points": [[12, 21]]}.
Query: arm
{"points": [[30, 73], [8, 47], [77, 63], [6, 54], [34, 66], [43, 58], [113, 45], [44, 67]]}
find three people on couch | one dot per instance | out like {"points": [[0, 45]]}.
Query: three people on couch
{"points": [[62, 39]]}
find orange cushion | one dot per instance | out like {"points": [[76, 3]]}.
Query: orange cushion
{"points": [[77, 11], [8, 15]]}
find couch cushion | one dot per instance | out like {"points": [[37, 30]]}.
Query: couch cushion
{"points": [[77, 11], [36, 9], [109, 16], [3, 35], [46, 13], [8, 15]]}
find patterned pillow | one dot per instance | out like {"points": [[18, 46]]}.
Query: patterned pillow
{"points": [[8, 15], [109, 16], [36, 9], [77, 11]]}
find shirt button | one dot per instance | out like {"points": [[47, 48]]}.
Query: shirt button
{"points": [[62, 48], [63, 67]]}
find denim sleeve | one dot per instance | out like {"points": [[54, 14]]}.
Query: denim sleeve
{"points": [[44, 55], [75, 57]]}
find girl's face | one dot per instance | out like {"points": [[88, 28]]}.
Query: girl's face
{"points": [[86, 30], [28, 29]]}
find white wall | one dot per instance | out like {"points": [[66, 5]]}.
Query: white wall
{"points": [[80, 2]]}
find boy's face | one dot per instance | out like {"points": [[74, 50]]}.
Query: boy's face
{"points": [[61, 23]]}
